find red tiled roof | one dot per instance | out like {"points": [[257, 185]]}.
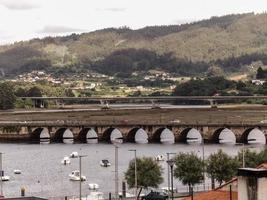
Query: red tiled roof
{"points": [[262, 166], [214, 195]]}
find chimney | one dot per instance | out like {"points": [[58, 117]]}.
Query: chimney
{"points": [[252, 184]]}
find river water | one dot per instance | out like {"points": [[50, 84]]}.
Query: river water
{"points": [[43, 174]]}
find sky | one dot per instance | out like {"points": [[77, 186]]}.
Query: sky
{"points": [[26, 19]]}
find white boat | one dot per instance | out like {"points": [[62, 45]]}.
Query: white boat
{"points": [[17, 171], [93, 186], [75, 176], [159, 158], [74, 154], [5, 178], [105, 163], [65, 160]]}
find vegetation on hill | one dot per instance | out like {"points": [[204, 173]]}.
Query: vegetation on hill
{"points": [[231, 42]]}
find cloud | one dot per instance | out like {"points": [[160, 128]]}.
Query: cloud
{"points": [[20, 4], [59, 29]]}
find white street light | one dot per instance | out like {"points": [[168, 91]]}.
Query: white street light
{"points": [[171, 163], [168, 169], [115, 142], [80, 166], [135, 172]]}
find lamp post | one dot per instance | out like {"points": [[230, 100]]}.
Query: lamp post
{"points": [[80, 185], [1, 171], [203, 158], [168, 169], [243, 153], [171, 164], [135, 172], [115, 142]]}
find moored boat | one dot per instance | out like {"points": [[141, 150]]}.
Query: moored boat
{"points": [[75, 176]]}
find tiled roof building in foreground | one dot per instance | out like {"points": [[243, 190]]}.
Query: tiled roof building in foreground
{"points": [[250, 184]]}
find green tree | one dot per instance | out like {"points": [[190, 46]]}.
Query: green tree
{"points": [[188, 168], [34, 92], [69, 93], [221, 167], [20, 92], [149, 173], [7, 96], [252, 158], [261, 74]]}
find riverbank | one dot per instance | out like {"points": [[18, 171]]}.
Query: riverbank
{"points": [[225, 115]]}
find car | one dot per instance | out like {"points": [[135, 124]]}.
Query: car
{"points": [[153, 195]]}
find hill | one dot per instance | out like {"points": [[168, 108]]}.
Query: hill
{"points": [[231, 42]]}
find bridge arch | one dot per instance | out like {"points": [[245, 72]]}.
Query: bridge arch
{"points": [[111, 134], [88, 135], [224, 136], [164, 135], [40, 135], [190, 136], [64, 135], [253, 136], [137, 135]]}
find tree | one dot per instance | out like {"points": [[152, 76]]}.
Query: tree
{"points": [[149, 173], [20, 92], [7, 96], [69, 93], [252, 158], [221, 167], [189, 168], [261, 74], [34, 92]]}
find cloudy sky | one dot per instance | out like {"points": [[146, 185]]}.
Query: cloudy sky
{"points": [[25, 19]]}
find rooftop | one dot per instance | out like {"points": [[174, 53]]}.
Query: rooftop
{"points": [[214, 195]]}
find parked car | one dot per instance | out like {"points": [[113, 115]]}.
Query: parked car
{"points": [[155, 196]]}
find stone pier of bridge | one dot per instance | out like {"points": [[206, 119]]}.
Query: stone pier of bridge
{"points": [[26, 131]]}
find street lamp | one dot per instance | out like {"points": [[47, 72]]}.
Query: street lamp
{"points": [[168, 169], [80, 166], [135, 172], [171, 164], [115, 142], [203, 158]]}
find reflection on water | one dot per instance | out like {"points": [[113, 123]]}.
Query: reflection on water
{"points": [[193, 136], [68, 137], [256, 136], [167, 136], [227, 137], [115, 136], [91, 137], [44, 136], [141, 136]]}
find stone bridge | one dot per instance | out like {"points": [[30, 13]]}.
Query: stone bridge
{"points": [[57, 131]]}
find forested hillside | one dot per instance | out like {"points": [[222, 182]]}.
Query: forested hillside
{"points": [[231, 42]]}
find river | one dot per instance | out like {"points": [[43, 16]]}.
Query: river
{"points": [[43, 174]]}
